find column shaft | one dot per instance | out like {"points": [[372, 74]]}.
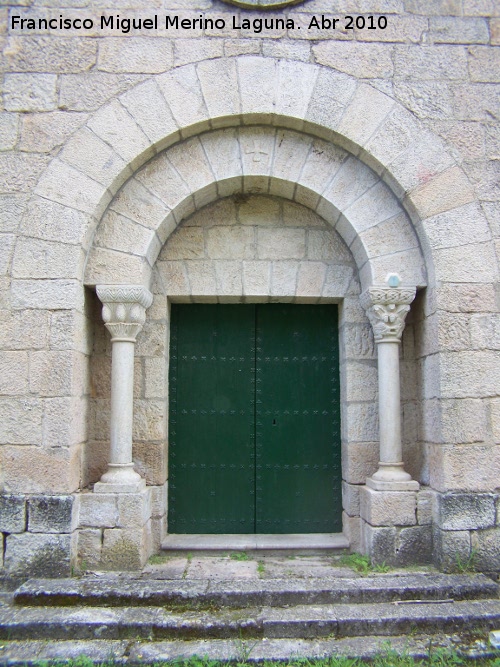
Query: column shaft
{"points": [[123, 312], [389, 402], [122, 387]]}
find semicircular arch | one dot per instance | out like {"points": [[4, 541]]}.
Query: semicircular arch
{"points": [[78, 185], [255, 159]]}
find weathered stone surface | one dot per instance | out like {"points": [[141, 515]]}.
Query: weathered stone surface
{"points": [[230, 243], [280, 244], [361, 463], [12, 514], [13, 373], [299, 621], [105, 167], [114, 125], [379, 544], [159, 500], [36, 258], [11, 211], [434, 7], [150, 111], [183, 95], [484, 64], [310, 279], [495, 31], [125, 549], [458, 192], [366, 61], [464, 298], [486, 546], [414, 546], [357, 123], [465, 511], [134, 55], [351, 527], [388, 508], [453, 30], [462, 420], [464, 468], [36, 554], [308, 580], [44, 132], [98, 510], [43, 53], [21, 422], [451, 549], [89, 90], [19, 172], [51, 373], [366, 648], [134, 509], [196, 50], [30, 92], [88, 548], [350, 498], [34, 469], [8, 131], [50, 514], [425, 500], [66, 185], [440, 62], [362, 422]]}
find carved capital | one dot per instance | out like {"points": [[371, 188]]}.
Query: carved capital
{"points": [[386, 308], [124, 309]]}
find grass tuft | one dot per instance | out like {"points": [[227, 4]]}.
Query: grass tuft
{"points": [[388, 657], [362, 564]]}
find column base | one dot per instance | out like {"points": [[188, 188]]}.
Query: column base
{"points": [[107, 487], [394, 485], [120, 478], [392, 477]]}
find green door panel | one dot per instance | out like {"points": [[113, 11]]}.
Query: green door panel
{"points": [[254, 424], [297, 420], [211, 430]]}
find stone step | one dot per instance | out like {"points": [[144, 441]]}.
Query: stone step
{"points": [[301, 621], [257, 544], [238, 593], [20, 653]]}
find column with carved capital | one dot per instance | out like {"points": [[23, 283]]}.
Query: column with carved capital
{"points": [[124, 313], [387, 308]]}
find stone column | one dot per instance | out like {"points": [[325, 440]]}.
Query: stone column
{"points": [[387, 308], [124, 313]]}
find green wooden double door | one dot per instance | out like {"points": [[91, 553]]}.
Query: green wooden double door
{"points": [[254, 426]]}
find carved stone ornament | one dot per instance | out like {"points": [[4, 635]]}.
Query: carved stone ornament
{"points": [[124, 309], [386, 308], [262, 4]]}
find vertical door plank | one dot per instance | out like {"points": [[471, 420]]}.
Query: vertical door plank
{"points": [[211, 425], [298, 424]]}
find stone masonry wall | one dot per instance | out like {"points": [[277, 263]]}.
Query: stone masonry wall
{"points": [[440, 59]]}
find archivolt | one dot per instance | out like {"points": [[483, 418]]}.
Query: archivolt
{"points": [[79, 185], [266, 160]]}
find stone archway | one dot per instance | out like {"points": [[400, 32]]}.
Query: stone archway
{"points": [[269, 161], [192, 100]]}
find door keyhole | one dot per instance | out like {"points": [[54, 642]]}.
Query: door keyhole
{"points": [[274, 422]]}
